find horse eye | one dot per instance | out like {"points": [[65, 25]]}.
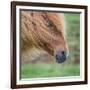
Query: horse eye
{"points": [[50, 24]]}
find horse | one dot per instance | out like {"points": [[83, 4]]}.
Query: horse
{"points": [[45, 31]]}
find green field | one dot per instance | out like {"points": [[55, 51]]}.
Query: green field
{"points": [[69, 68], [49, 70]]}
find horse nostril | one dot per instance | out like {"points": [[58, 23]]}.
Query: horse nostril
{"points": [[63, 52]]}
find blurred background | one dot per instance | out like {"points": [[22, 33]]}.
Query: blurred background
{"points": [[45, 66]]}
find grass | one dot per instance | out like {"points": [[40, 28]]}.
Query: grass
{"points": [[69, 68], [48, 70]]}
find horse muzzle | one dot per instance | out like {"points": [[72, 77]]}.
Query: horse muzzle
{"points": [[61, 56]]}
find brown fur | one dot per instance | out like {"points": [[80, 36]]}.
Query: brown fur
{"points": [[43, 30]]}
